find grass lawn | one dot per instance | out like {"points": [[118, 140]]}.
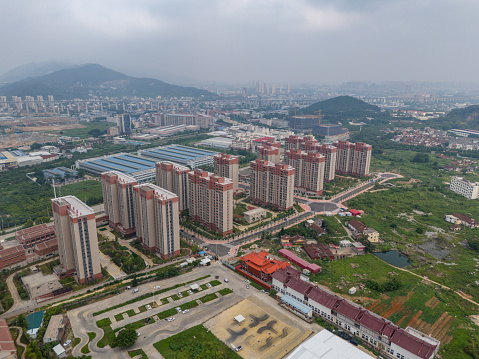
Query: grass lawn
{"points": [[225, 291], [175, 297], [208, 297], [108, 334], [83, 132], [167, 313], [119, 317], [75, 342], [130, 312], [91, 336], [215, 282], [137, 325], [189, 305], [196, 342], [204, 286], [164, 300], [135, 353], [19, 348], [87, 191]]}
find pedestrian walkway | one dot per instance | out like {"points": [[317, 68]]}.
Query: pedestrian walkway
{"points": [[111, 267]]}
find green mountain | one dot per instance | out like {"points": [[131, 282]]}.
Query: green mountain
{"points": [[462, 118], [93, 79], [342, 108]]}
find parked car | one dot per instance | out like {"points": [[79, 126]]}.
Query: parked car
{"points": [[186, 311], [180, 295], [171, 319], [178, 309], [67, 343], [148, 307], [190, 292], [227, 280], [247, 286], [157, 287], [136, 290], [208, 285], [239, 348]]}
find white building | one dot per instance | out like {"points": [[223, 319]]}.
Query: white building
{"points": [[465, 188]]}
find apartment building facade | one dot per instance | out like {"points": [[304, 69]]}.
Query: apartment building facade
{"points": [[210, 201], [272, 184], [269, 150], [175, 119], [353, 158], [465, 188], [309, 170], [117, 191], [174, 178], [75, 228], [157, 219], [227, 166]]}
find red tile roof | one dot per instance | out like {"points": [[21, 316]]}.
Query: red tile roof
{"points": [[348, 309], [412, 344], [6, 340]]}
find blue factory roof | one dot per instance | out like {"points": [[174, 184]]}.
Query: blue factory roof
{"points": [[125, 163], [14, 153], [296, 304], [177, 153]]}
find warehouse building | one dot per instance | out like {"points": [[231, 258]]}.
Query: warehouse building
{"points": [[183, 155]]}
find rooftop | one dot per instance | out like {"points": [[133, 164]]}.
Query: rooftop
{"points": [[6, 340], [122, 162], [159, 192], [76, 207], [122, 178], [35, 231], [35, 320], [176, 153]]}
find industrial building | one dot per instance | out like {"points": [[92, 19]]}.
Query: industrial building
{"points": [[218, 142], [183, 155], [272, 184], [75, 227], [157, 219], [29, 237], [142, 169], [117, 189], [174, 178]]}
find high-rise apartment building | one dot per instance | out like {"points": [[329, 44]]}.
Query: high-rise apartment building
{"points": [[272, 184], [353, 158], [330, 154], [227, 166], [157, 219], [174, 178], [309, 170], [123, 122], [309, 144], [117, 191], [210, 201], [175, 119], [75, 228]]}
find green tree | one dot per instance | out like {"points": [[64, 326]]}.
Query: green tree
{"points": [[126, 338]]}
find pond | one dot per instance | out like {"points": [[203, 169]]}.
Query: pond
{"points": [[395, 258]]}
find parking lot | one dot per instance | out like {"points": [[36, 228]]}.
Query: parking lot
{"points": [[83, 321]]}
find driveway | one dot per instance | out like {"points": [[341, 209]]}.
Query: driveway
{"points": [[111, 267]]}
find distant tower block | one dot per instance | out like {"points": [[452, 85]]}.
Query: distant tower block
{"points": [[289, 88]]}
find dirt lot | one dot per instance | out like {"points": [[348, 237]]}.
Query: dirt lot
{"points": [[53, 128], [265, 332]]}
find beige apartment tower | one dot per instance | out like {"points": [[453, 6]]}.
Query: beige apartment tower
{"points": [[272, 184], [118, 200], [330, 154], [309, 170], [75, 228], [174, 178], [210, 201], [353, 158], [227, 166], [157, 219]]}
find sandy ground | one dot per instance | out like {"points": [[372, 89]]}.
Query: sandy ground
{"points": [[265, 332], [52, 128]]}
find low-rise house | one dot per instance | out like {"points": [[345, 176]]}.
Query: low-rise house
{"points": [[318, 251], [12, 257], [59, 351], [361, 231], [254, 215], [296, 240], [56, 329], [34, 323], [458, 218]]}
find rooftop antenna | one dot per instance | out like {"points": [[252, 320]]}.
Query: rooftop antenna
{"points": [[54, 190]]}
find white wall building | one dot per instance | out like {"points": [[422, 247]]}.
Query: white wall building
{"points": [[465, 188]]}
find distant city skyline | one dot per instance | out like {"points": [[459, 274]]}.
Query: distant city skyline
{"points": [[229, 41]]}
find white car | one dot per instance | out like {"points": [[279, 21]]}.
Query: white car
{"points": [[186, 311], [226, 280], [171, 319], [67, 343], [157, 287], [178, 309], [148, 306], [208, 285]]}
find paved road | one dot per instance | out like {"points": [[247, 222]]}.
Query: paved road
{"points": [[111, 267]]}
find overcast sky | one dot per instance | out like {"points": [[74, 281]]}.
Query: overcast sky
{"points": [[239, 40]]}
